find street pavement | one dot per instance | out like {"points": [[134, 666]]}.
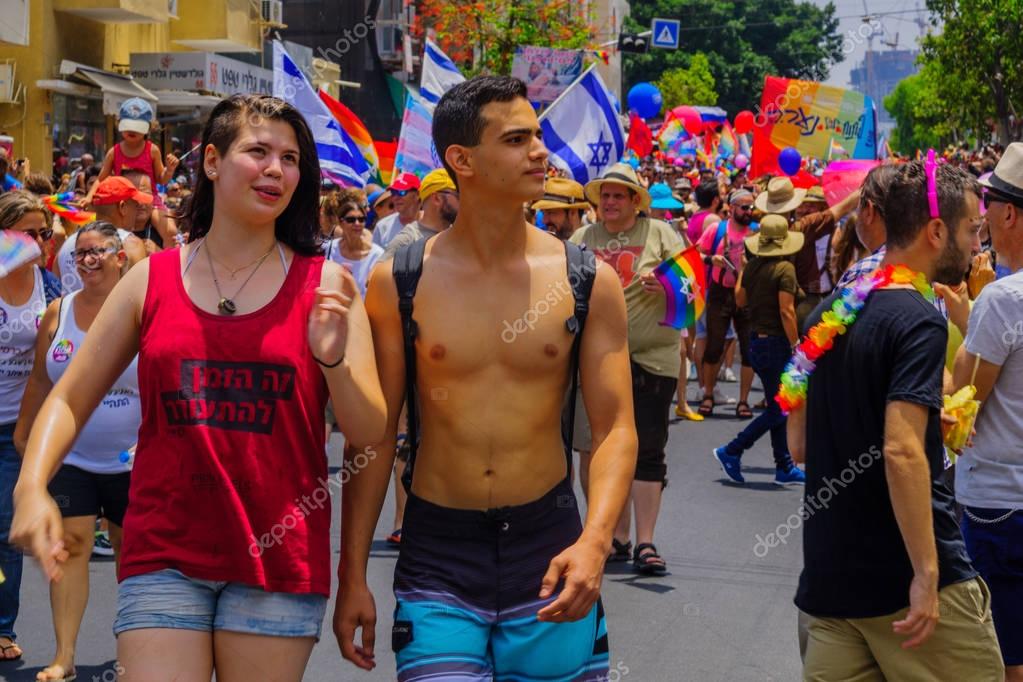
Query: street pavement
{"points": [[723, 613]]}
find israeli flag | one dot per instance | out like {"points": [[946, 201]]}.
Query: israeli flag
{"points": [[340, 158], [582, 130], [439, 75]]}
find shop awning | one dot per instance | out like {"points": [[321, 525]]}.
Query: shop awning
{"points": [[182, 99], [115, 88]]}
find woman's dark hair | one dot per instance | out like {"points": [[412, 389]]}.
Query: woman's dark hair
{"points": [[104, 229], [38, 184], [458, 118], [875, 186], [298, 226], [706, 192], [847, 249]]}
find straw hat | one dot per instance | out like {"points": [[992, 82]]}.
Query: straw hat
{"points": [[560, 193], [1007, 178], [774, 238], [815, 193], [780, 197], [619, 174]]}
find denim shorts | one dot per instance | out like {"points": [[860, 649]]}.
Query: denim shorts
{"points": [[170, 599]]}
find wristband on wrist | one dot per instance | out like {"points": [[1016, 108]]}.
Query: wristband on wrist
{"points": [[324, 364]]}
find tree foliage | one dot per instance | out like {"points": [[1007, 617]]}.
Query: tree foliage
{"points": [[921, 120], [692, 85], [481, 37], [977, 61], [744, 41]]}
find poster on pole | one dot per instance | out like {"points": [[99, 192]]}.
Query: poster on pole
{"points": [[547, 72]]}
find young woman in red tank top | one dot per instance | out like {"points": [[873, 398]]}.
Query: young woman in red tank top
{"points": [[241, 336]]}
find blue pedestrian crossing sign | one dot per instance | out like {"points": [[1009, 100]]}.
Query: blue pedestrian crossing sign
{"points": [[665, 34]]}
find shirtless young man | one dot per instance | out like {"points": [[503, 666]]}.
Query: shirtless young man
{"points": [[497, 578]]}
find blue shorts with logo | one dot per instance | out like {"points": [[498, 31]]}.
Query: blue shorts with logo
{"points": [[467, 585]]}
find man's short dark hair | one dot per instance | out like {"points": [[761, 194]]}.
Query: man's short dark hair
{"points": [[458, 118], [706, 191], [905, 205]]}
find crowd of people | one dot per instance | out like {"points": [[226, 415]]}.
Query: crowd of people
{"points": [[262, 308]]}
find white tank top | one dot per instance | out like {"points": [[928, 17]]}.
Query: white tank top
{"points": [[18, 327], [114, 427], [69, 277]]}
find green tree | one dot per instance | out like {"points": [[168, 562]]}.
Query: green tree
{"points": [[978, 61], [692, 85], [481, 37], [743, 41], [920, 119]]}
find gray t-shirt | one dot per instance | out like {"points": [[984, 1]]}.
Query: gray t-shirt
{"points": [[990, 474], [409, 234]]}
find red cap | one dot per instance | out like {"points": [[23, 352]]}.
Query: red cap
{"points": [[116, 189], [404, 182]]}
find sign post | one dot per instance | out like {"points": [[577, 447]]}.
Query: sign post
{"points": [[665, 33]]}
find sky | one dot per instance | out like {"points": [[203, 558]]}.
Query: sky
{"points": [[854, 31]]}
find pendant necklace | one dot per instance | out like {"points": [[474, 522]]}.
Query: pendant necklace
{"points": [[226, 305]]}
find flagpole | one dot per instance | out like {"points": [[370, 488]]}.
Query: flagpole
{"points": [[565, 92]]}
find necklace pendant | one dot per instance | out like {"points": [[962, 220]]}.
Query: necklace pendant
{"points": [[227, 306]]}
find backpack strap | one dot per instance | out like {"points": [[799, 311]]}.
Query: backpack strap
{"points": [[582, 272], [718, 236], [406, 269]]}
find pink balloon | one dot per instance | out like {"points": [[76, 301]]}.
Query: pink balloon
{"points": [[741, 161], [679, 162]]}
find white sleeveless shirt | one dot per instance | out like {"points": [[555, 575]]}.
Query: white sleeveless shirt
{"points": [[19, 325], [114, 426]]}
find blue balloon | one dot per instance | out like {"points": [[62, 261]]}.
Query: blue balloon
{"points": [[645, 100], [789, 161]]}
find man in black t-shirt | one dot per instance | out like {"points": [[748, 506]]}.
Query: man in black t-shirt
{"points": [[887, 583]]}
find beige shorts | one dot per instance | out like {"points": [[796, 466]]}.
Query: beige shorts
{"points": [[962, 647]]}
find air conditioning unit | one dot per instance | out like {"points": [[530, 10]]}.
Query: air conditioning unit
{"points": [[273, 11], [7, 82], [172, 8]]}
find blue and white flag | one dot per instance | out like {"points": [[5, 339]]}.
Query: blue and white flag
{"points": [[582, 130], [340, 158], [439, 75]]}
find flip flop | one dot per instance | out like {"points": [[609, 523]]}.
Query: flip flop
{"points": [[4, 648]]}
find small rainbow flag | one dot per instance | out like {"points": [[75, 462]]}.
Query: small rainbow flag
{"points": [[728, 145], [386, 151], [16, 249], [836, 150], [682, 277], [60, 205]]}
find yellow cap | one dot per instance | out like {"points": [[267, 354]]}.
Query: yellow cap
{"points": [[435, 181]]}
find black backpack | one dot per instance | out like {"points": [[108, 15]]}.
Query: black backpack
{"points": [[407, 269]]}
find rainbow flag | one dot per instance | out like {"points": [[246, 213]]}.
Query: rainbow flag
{"points": [[16, 249], [836, 150], [682, 277], [60, 205], [356, 130], [728, 145], [386, 151]]}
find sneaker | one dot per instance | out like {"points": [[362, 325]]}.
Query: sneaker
{"points": [[793, 475], [729, 464], [721, 399], [101, 544], [692, 371], [727, 375]]}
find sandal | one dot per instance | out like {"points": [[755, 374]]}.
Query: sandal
{"points": [[647, 561], [4, 648], [621, 551], [687, 414], [742, 410], [706, 407]]}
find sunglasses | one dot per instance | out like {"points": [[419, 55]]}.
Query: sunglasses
{"points": [[43, 234], [401, 192], [740, 207], [80, 255], [352, 219]]}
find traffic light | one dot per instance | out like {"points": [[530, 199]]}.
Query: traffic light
{"points": [[633, 42]]}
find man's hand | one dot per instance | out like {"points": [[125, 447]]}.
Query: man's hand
{"points": [[957, 301], [582, 568], [650, 283], [923, 614], [981, 274], [356, 609]]}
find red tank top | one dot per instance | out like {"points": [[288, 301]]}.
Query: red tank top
{"points": [[230, 476], [143, 162]]}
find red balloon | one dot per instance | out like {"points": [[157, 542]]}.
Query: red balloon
{"points": [[691, 119], [744, 122]]}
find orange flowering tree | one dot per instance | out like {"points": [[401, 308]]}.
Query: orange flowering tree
{"points": [[481, 37]]}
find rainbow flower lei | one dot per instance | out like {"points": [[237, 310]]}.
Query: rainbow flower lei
{"points": [[821, 337]]}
